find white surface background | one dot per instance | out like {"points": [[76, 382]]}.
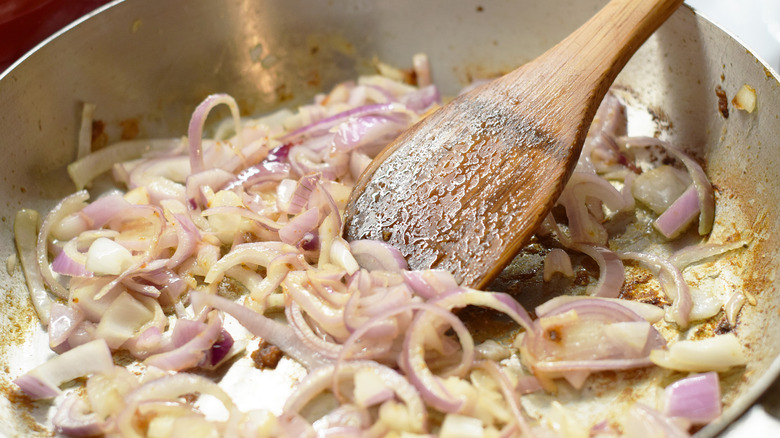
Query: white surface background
{"points": [[756, 23]]}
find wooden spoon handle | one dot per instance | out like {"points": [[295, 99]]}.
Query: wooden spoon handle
{"points": [[614, 34], [584, 64]]}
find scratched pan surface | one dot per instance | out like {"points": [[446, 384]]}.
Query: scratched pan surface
{"points": [[146, 64]]}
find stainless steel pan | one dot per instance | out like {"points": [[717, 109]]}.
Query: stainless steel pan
{"points": [[147, 63]]}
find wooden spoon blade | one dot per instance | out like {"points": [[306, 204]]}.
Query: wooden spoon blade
{"points": [[462, 190]]}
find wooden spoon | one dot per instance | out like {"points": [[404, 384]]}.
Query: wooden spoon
{"points": [[466, 187]]}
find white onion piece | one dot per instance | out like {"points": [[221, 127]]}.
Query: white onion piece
{"points": [[26, 235], [557, 261], [718, 353], [695, 398], [508, 392], [44, 380], [123, 318], [358, 162], [214, 179], [644, 422], [461, 426], [369, 390], [341, 255], [106, 257], [733, 306]]}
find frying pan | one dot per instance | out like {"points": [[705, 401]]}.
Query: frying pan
{"points": [[147, 64]]}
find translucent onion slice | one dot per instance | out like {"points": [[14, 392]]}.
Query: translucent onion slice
{"points": [[44, 380], [26, 235], [718, 353]]}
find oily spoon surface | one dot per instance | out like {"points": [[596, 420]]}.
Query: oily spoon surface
{"points": [[466, 187]]}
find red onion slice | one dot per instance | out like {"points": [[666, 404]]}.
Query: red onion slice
{"points": [[70, 204], [74, 418], [195, 130], [192, 352], [679, 215], [377, 256], [672, 282], [611, 270], [695, 398], [273, 332]]}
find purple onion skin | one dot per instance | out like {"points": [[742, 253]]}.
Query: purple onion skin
{"points": [[280, 154], [220, 349]]}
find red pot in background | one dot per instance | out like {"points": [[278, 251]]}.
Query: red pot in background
{"points": [[25, 23]]}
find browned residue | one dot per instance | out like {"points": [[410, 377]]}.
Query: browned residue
{"points": [[129, 128], [267, 356], [640, 285], [99, 136], [723, 102]]}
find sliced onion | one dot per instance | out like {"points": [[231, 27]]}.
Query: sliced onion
{"points": [[26, 235], [672, 282], [70, 204], [190, 353], [212, 178], [43, 381], [74, 418], [84, 170], [695, 398], [294, 231], [431, 283], [324, 125], [259, 253], [718, 353], [611, 270], [648, 312], [700, 180], [273, 332], [169, 387], [188, 238], [195, 130], [695, 253], [557, 261], [378, 256], [679, 215], [64, 321], [319, 380]]}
